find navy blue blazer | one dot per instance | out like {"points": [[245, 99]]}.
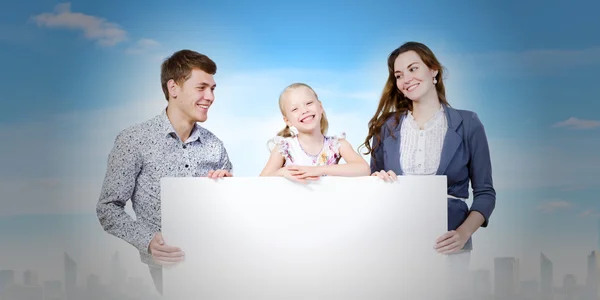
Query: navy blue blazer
{"points": [[465, 158]]}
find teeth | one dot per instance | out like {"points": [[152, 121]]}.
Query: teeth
{"points": [[412, 87], [309, 117], [203, 106]]}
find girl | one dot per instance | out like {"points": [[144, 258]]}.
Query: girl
{"points": [[416, 132], [302, 151]]}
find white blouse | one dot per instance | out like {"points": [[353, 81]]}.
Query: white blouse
{"points": [[421, 149]]}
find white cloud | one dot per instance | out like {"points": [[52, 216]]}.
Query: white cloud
{"points": [[586, 213], [143, 46], [575, 123], [94, 28], [561, 58], [589, 213], [533, 164], [537, 62], [98, 29], [571, 188], [553, 206]]}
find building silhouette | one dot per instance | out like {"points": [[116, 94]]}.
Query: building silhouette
{"points": [[7, 278], [570, 287], [529, 289], [506, 278], [93, 288], [70, 278], [482, 284], [30, 278], [53, 290], [546, 277], [591, 285]]}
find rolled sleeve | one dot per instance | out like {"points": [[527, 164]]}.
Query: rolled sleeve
{"points": [[480, 170]]}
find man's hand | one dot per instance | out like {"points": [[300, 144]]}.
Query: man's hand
{"points": [[219, 174], [164, 254]]}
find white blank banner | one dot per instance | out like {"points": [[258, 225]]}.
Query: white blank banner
{"points": [[338, 238]]}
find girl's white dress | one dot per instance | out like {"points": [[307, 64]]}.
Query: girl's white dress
{"points": [[291, 149]]}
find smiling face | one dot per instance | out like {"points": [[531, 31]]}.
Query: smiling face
{"points": [[302, 109], [194, 96], [414, 79]]}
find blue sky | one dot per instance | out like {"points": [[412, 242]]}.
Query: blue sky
{"points": [[266, 35], [75, 74]]}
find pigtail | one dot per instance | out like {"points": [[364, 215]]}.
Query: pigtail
{"points": [[285, 132], [324, 123]]}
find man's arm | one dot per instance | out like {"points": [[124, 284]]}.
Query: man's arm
{"points": [[124, 165], [225, 162], [225, 168]]}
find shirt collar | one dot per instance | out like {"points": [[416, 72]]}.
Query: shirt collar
{"points": [[434, 119], [167, 129]]}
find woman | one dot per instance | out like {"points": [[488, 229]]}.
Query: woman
{"points": [[416, 132]]}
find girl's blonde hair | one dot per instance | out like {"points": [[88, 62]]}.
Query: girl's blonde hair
{"points": [[286, 132]]}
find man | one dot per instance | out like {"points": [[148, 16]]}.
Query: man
{"points": [[171, 144]]}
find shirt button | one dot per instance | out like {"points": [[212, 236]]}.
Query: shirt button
{"points": [[186, 166], [184, 146]]}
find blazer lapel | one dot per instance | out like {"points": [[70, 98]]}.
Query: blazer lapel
{"points": [[452, 140], [392, 149]]}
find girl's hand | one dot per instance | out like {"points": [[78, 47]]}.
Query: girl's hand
{"points": [[294, 173], [386, 176], [307, 172]]}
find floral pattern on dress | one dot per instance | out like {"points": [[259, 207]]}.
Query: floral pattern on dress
{"points": [[291, 150], [284, 148]]}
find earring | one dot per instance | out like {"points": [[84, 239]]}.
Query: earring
{"points": [[294, 130], [434, 80]]}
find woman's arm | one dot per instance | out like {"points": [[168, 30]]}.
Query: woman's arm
{"points": [[377, 164], [480, 173], [377, 159], [484, 195]]}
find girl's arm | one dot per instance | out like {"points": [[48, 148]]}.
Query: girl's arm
{"points": [[275, 168], [274, 164], [355, 165]]}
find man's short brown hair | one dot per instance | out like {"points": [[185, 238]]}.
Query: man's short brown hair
{"points": [[180, 65]]}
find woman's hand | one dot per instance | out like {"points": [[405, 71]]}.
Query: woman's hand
{"points": [[386, 176], [451, 242]]}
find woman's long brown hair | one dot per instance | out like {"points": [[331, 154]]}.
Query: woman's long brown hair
{"points": [[393, 103]]}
